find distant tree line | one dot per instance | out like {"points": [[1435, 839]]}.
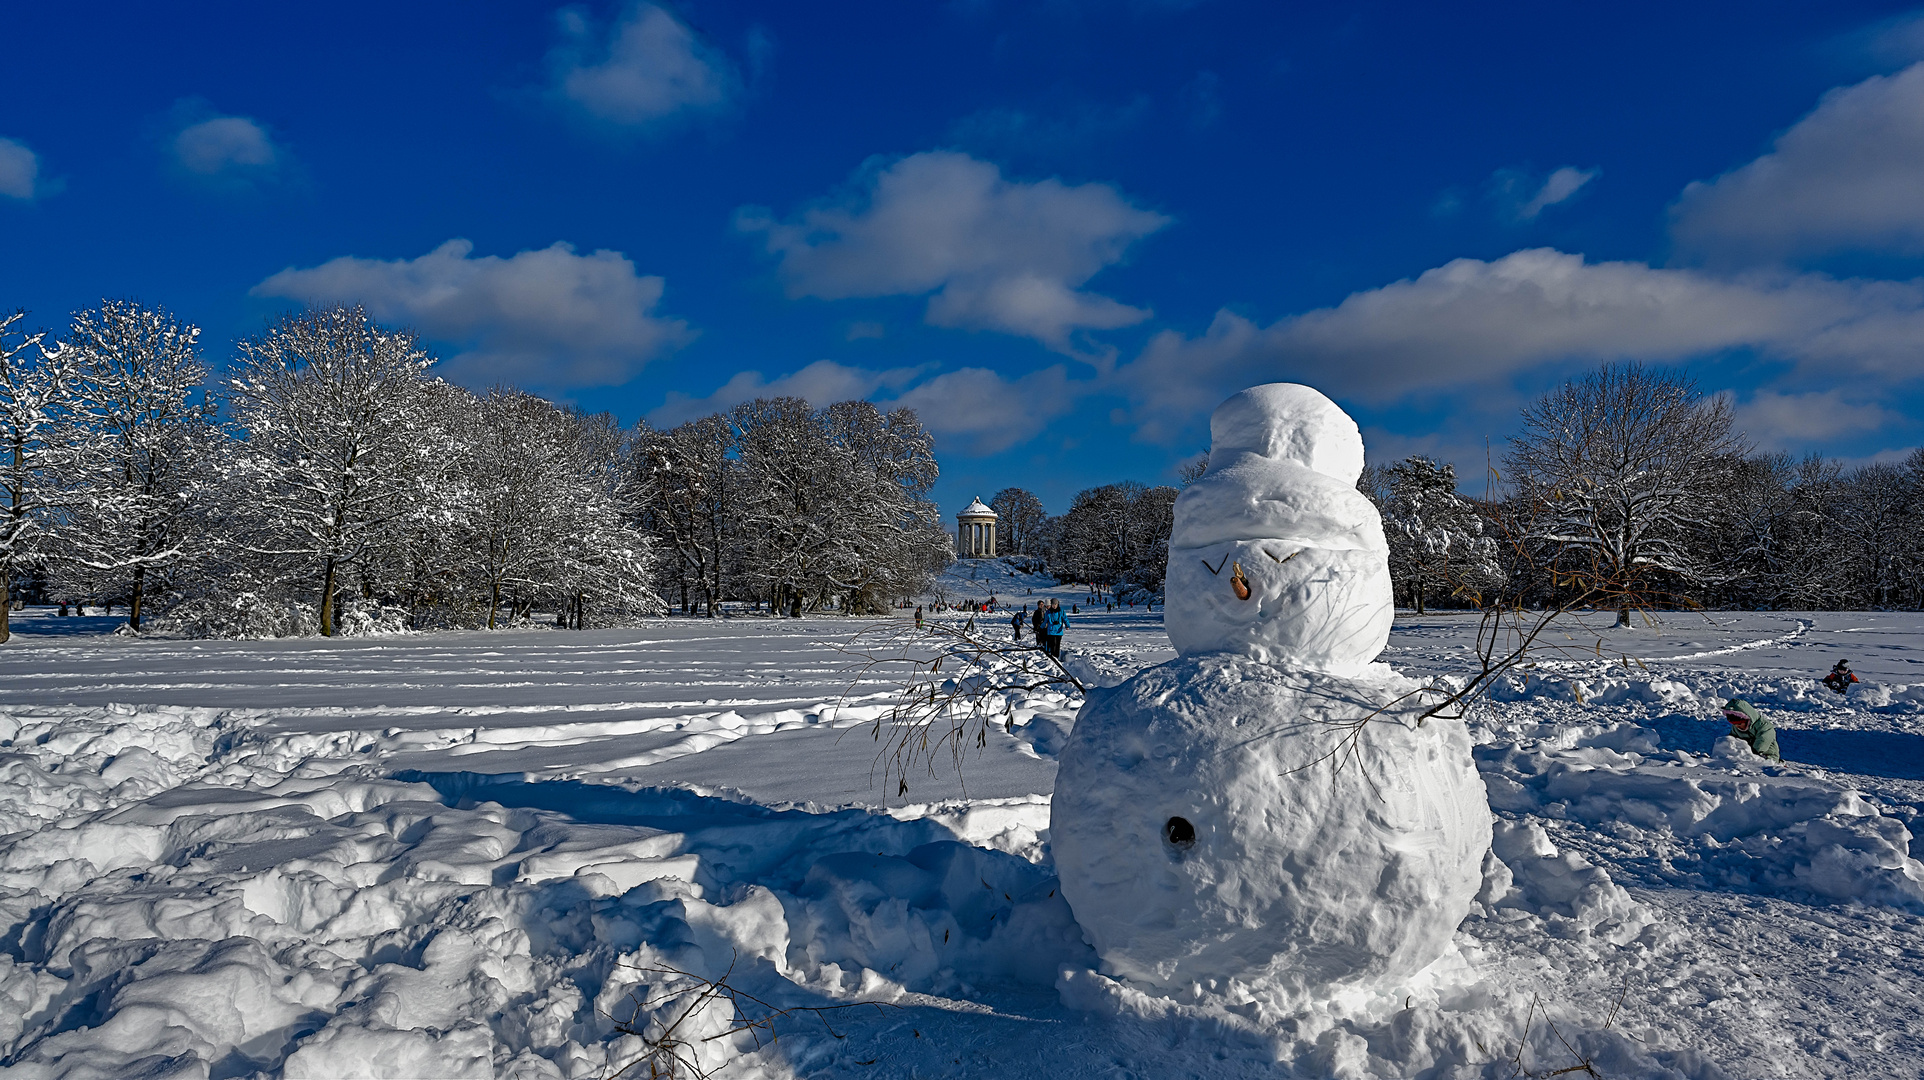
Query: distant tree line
{"points": [[1631, 474], [329, 483]]}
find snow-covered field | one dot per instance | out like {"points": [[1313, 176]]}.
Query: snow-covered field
{"points": [[457, 854]]}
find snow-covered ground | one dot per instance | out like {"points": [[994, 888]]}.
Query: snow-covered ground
{"points": [[457, 854]]}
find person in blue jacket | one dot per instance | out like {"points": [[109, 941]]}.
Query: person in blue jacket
{"points": [[1054, 622]]}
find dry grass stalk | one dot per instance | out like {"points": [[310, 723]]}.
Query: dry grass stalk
{"points": [[669, 1052]]}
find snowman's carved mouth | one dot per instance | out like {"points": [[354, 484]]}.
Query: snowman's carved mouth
{"points": [[1178, 832]]}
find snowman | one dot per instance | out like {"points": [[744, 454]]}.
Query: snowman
{"points": [[1271, 809]]}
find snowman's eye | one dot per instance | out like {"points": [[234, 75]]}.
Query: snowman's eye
{"points": [[1179, 831]]}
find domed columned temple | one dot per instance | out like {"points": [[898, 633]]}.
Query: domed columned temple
{"points": [[975, 531]]}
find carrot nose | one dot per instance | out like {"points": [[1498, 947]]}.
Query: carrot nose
{"points": [[1239, 584]]}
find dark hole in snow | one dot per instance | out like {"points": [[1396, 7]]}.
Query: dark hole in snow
{"points": [[1179, 831]]}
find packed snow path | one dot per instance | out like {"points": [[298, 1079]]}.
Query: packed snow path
{"points": [[450, 855]]}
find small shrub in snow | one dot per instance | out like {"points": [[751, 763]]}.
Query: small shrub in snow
{"points": [[257, 615], [239, 615]]}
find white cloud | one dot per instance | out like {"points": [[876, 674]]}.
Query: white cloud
{"points": [[1469, 322], [649, 66], [1849, 176], [974, 409], [1895, 41], [983, 411], [1780, 421], [1557, 187], [1521, 197], [225, 144], [998, 255], [219, 152], [823, 382], [548, 318], [1895, 455], [19, 170]]}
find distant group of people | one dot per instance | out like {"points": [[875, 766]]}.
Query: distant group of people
{"points": [[1048, 622]]}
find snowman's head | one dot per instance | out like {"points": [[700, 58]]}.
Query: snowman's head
{"points": [[1287, 422], [1275, 554]]}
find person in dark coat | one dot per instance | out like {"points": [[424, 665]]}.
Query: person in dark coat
{"points": [[1015, 624], [1841, 677]]}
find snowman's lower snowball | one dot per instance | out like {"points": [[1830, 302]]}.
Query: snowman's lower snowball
{"points": [[1220, 818]]}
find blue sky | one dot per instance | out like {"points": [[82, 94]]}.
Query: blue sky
{"points": [[1061, 230]]}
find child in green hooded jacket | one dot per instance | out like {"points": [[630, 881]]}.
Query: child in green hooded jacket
{"points": [[1752, 726]]}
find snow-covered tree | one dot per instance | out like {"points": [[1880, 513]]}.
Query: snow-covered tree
{"points": [[422, 551], [1117, 535], [329, 403], [890, 533], [789, 471], [1617, 469], [516, 468], [35, 393], [822, 506], [603, 561], [1436, 537], [1192, 470], [685, 485], [1878, 519], [1018, 521], [142, 443]]}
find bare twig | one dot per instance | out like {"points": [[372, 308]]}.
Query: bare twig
{"points": [[668, 1053], [1585, 1063], [958, 681]]}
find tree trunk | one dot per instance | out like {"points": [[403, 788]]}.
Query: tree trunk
{"points": [[327, 600], [494, 603], [1623, 616], [6, 604], [140, 593], [1419, 600]]}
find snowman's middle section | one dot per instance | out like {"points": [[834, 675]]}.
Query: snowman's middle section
{"points": [[1217, 817]]}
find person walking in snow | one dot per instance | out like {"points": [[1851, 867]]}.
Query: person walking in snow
{"points": [[1753, 727], [1015, 624], [1841, 677], [918, 616], [1035, 622], [1053, 625]]}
